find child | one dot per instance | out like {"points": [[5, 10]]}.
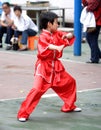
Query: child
{"points": [[49, 71]]}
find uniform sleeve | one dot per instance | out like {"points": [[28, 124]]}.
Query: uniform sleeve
{"points": [[71, 41], [43, 45], [66, 41]]}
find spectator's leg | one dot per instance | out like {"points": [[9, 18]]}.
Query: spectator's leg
{"points": [[31, 32], [10, 33], [25, 35], [92, 38], [2, 31], [17, 33]]}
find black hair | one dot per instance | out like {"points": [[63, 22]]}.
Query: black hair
{"points": [[17, 8], [6, 3], [46, 17]]}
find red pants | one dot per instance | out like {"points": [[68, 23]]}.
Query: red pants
{"points": [[66, 90]]}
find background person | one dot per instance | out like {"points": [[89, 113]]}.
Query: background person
{"points": [[92, 36], [23, 25], [6, 23]]}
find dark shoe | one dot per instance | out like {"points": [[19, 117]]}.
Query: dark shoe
{"points": [[8, 47], [15, 47], [92, 62], [0, 45]]}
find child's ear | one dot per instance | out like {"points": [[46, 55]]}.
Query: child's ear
{"points": [[49, 24]]}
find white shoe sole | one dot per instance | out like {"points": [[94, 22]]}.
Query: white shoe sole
{"points": [[22, 119], [77, 110]]}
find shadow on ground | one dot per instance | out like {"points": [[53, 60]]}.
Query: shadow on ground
{"points": [[47, 115]]}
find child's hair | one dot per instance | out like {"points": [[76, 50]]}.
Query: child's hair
{"points": [[17, 8], [46, 17]]}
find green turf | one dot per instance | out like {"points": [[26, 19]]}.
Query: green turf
{"points": [[47, 115]]}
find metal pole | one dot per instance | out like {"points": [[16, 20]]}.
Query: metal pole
{"points": [[77, 27]]}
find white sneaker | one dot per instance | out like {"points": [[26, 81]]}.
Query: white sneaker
{"points": [[22, 119], [77, 109]]}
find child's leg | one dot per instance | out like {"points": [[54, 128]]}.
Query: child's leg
{"points": [[66, 89], [40, 87]]}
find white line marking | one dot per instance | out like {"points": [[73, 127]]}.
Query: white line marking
{"points": [[73, 61], [87, 90], [51, 95], [62, 59]]}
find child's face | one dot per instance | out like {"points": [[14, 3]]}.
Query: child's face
{"points": [[54, 26], [17, 13]]}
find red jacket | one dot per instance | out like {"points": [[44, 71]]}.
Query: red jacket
{"points": [[95, 7], [48, 60]]}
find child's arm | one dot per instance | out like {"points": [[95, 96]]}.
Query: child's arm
{"points": [[65, 38], [54, 47], [68, 36]]}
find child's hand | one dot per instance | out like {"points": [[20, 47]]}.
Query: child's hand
{"points": [[68, 35], [60, 48], [54, 47]]}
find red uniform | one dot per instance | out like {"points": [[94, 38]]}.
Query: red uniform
{"points": [[50, 73]]}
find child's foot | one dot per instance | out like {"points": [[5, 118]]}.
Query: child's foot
{"points": [[22, 119], [77, 109]]}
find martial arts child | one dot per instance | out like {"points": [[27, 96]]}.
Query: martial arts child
{"points": [[49, 71]]}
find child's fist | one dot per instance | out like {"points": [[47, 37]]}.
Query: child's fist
{"points": [[60, 48], [68, 35]]}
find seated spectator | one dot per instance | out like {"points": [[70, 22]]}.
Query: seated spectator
{"points": [[23, 25], [6, 22]]}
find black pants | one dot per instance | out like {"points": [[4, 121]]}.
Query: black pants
{"points": [[92, 39], [9, 31]]}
